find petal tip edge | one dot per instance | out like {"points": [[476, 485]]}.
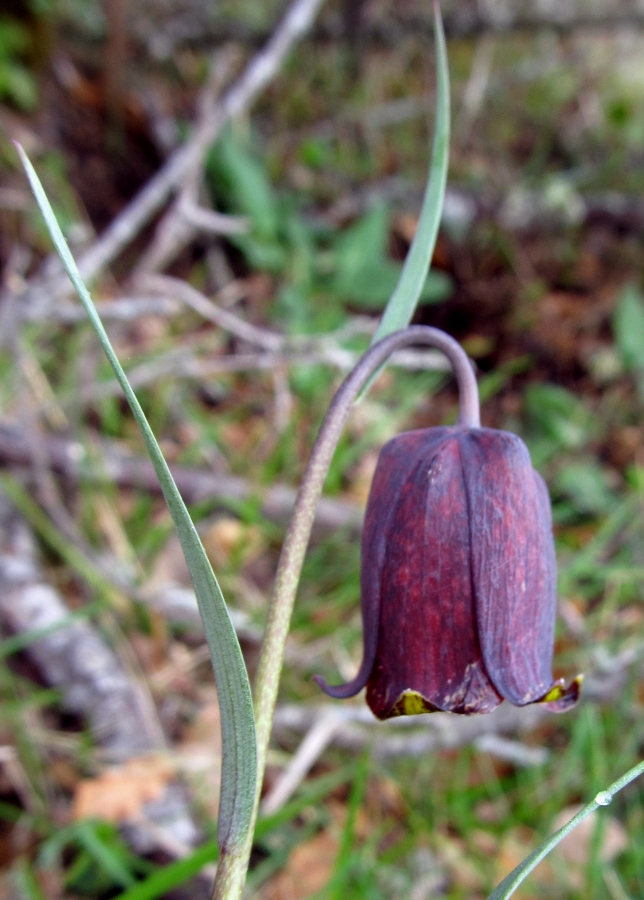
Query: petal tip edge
{"points": [[560, 698]]}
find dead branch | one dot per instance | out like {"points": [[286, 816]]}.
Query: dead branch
{"points": [[212, 222], [156, 192], [184, 364], [108, 464], [74, 657], [315, 742], [185, 293], [121, 309]]}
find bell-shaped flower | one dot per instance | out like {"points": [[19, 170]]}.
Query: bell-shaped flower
{"points": [[458, 578]]}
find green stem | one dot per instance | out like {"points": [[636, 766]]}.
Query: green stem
{"points": [[232, 869]]}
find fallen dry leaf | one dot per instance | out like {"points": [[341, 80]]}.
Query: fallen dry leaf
{"points": [[228, 536], [308, 869], [119, 793]]}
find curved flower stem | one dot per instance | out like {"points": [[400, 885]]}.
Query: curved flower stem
{"points": [[232, 869]]}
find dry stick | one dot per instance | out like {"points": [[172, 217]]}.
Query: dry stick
{"points": [[176, 230], [321, 347], [74, 658], [231, 872], [36, 397], [317, 739], [181, 290], [213, 222], [278, 350], [329, 724], [71, 460], [121, 309], [184, 364], [259, 72], [407, 737]]}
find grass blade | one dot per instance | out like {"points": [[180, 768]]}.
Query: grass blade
{"points": [[176, 873], [45, 528], [103, 854], [512, 881], [239, 757], [402, 303]]}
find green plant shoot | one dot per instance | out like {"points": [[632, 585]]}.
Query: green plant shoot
{"points": [[402, 303], [239, 754]]}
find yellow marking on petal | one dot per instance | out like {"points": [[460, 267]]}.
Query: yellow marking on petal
{"points": [[559, 690], [411, 703], [555, 693]]}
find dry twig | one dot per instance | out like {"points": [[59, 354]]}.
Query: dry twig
{"points": [[73, 656], [315, 742], [136, 215], [111, 465]]}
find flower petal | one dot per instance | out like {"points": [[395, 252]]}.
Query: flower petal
{"points": [[398, 458], [428, 656], [513, 567]]}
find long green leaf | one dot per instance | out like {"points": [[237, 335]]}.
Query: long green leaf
{"points": [[512, 881], [239, 754], [403, 301]]}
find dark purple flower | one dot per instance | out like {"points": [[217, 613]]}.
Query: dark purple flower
{"points": [[458, 578]]}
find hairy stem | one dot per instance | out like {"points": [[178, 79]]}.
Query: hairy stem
{"points": [[231, 870]]}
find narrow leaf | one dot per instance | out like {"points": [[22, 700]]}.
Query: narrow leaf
{"points": [[402, 303], [103, 854], [512, 881], [628, 329], [239, 755]]}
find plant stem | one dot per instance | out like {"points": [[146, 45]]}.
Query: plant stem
{"points": [[232, 869]]}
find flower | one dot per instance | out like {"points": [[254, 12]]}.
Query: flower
{"points": [[458, 578]]}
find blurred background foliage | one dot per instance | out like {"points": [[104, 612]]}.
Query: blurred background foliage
{"points": [[538, 271]]}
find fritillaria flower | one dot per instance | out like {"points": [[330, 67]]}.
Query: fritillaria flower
{"points": [[458, 578]]}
